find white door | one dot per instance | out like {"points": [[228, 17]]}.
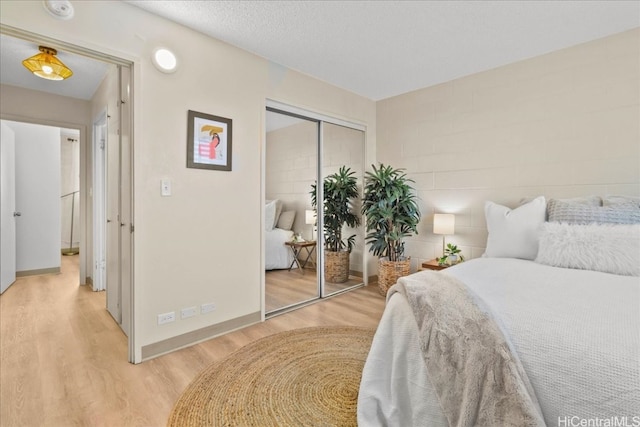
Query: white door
{"points": [[126, 197], [113, 220], [99, 203], [7, 208], [118, 206]]}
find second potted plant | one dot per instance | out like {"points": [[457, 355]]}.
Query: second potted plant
{"points": [[392, 214], [340, 189]]}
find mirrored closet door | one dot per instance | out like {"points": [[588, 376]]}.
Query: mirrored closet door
{"points": [[291, 159], [307, 256], [344, 248]]}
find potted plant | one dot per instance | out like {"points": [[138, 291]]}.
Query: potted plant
{"points": [[392, 214], [451, 255], [340, 189]]}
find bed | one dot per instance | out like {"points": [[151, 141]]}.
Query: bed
{"points": [[278, 230], [277, 255], [564, 316]]}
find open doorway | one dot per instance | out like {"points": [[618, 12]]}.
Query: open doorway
{"points": [[45, 179], [27, 99]]}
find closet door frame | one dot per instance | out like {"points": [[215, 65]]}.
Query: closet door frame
{"points": [[305, 114]]}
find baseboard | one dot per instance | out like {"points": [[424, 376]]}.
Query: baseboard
{"points": [[355, 273], [190, 338], [373, 279], [53, 270], [70, 251]]}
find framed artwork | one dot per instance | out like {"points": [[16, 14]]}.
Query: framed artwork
{"points": [[208, 141]]}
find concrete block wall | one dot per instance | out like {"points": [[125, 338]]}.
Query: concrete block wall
{"points": [[564, 124]]}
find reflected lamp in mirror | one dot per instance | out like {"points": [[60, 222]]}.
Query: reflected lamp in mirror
{"points": [[310, 219], [444, 224]]}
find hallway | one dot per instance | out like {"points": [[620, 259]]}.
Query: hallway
{"points": [[58, 344]]}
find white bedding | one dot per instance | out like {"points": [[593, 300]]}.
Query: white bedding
{"points": [[277, 254], [576, 332]]}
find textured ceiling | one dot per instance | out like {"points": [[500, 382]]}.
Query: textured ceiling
{"points": [[379, 49]]}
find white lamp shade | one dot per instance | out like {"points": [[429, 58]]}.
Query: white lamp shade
{"points": [[310, 217], [444, 223]]}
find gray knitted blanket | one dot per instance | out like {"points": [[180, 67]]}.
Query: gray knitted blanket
{"points": [[478, 379]]}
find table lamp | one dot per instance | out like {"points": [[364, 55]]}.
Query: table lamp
{"points": [[310, 219], [444, 224]]}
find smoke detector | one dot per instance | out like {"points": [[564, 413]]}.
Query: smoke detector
{"points": [[61, 9]]}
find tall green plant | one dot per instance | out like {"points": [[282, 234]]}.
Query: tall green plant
{"points": [[340, 189], [391, 210]]}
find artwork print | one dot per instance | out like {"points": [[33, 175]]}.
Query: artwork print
{"points": [[208, 141]]}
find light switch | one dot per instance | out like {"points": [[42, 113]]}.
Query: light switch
{"points": [[165, 185]]}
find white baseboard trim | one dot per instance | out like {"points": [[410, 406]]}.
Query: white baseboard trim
{"points": [[190, 338], [53, 270]]}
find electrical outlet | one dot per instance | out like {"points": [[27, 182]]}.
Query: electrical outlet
{"points": [[187, 312], [166, 318], [207, 308]]}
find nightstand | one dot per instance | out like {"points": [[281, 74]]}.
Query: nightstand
{"points": [[433, 265], [296, 248]]}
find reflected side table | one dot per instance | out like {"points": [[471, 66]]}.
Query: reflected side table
{"points": [[297, 250]]}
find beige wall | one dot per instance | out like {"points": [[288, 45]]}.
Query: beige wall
{"points": [[203, 244], [559, 125]]}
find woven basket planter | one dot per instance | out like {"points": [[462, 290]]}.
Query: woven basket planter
{"points": [[336, 266], [390, 271]]}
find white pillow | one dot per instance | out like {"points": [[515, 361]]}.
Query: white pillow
{"points": [[279, 206], [286, 219], [513, 233], [269, 215], [609, 248]]}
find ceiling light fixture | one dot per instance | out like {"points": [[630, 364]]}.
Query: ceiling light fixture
{"points": [[46, 65], [164, 60]]}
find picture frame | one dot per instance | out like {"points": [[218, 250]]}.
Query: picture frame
{"points": [[209, 141]]}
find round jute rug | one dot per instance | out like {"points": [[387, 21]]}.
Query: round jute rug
{"points": [[303, 377]]}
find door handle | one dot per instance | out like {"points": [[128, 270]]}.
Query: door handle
{"points": [[122, 224], [17, 214], [108, 221]]}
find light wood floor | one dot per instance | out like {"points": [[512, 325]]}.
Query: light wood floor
{"points": [[63, 359], [286, 287]]}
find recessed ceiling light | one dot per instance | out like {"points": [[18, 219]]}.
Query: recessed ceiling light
{"points": [[61, 9], [164, 60]]}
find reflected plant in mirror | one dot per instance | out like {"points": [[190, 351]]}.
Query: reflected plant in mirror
{"points": [[340, 190]]}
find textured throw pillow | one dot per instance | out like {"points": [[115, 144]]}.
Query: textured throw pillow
{"points": [[609, 248], [613, 201], [285, 221], [613, 211], [513, 233], [269, 215]]}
